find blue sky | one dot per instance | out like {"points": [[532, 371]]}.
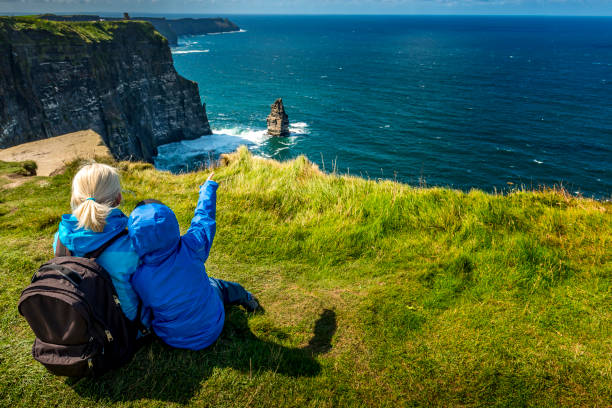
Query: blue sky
{"points": [[547, 7]]}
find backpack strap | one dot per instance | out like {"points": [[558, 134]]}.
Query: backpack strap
{"points": [[141, 327], [96, 253], [60, 249]]}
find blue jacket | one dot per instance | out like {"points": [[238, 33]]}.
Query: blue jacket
{"points": [[120, 259], [171, 279]]}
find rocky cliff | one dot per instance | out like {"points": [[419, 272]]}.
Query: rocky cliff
{"points": [[116, 78]]}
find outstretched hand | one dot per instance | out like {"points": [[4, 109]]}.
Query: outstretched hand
{"points": [[210, 177]]}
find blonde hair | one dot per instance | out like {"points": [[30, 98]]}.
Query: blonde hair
{"points": [[95, 192]]}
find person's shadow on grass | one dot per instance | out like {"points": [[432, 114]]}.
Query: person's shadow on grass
{"points": [[162, 373]]}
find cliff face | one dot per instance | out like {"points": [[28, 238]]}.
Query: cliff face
{"points": [[116, 78]]}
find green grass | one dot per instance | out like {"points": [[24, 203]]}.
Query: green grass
{"points": [[11, 172], [376, 294], [90, 32]]}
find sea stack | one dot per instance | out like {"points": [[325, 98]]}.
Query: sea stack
{"points": [[278, 121]]}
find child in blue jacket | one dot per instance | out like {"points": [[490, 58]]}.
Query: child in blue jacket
{"points": [[187, 306]]}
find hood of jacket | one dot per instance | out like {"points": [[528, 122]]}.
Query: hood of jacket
{"points": [[81, 240], [154, 232]]}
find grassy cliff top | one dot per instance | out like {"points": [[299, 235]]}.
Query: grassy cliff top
{"points": [[376, 294], [95, 31]]}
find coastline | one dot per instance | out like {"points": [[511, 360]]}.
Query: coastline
{"points": [[52, 155], [377, 292], [486, 129]]}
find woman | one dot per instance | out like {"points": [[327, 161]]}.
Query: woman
{"points": [[95, 219]]}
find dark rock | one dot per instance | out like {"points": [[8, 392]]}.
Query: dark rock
{"points": [[116, 78], [278, 121]]}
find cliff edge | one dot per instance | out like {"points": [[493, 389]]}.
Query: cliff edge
{"points": [[116, 78]]}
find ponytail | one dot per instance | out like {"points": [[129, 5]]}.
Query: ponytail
{"points": [[96, 190]]}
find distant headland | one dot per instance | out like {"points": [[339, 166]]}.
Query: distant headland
{"points": [[169, 28]]}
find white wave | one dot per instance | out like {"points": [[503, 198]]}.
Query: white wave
{"points": [[537, 161], [229, 32], [182, 42], [250, 135], [221, 141], [298, 128], [189, 51]]}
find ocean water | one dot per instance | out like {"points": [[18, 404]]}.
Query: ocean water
{"points": [[463, 102]]}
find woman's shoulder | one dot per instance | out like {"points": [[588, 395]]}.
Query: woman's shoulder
{"points": [[120, 257], [82, 240]]}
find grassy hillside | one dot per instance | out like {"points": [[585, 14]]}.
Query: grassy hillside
{"points": [[376, 294], [90, 31]]}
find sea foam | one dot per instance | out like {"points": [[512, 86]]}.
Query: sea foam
{"points": [[223, 140], [189, 51], [229, 32], [298, 128]]}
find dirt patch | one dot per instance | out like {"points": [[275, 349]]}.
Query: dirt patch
{"points": [[51, 155], [14, 180]]}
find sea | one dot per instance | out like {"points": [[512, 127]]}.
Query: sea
{"points": [[488, 102]]}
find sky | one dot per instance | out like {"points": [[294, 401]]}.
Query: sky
{"points": [[220, 7]]}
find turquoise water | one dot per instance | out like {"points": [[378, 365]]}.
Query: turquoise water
{"points": [[464, 102]]}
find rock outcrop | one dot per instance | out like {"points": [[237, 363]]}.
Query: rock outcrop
{"points": [[278, 121], [116, 78], [51, 155]]}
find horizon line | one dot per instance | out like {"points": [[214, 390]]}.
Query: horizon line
{"points": [[144, 14]]}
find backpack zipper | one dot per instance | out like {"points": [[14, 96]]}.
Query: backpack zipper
{"points": [[88, 348], [109, 336]]}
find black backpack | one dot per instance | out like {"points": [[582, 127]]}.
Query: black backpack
{"points": [[74, 311]]}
